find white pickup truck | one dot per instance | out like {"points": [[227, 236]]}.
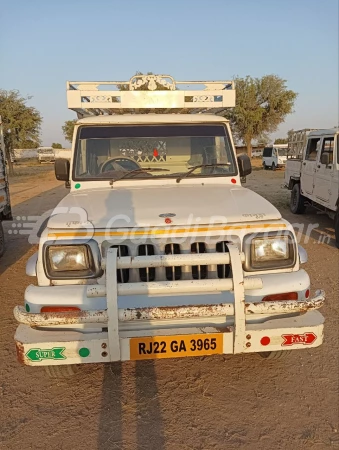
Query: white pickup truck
{"points": [[46, 154], [312, 172], [158, 251], [5, 204]]}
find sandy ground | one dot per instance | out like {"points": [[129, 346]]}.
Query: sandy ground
{"points": [[221, 402]]}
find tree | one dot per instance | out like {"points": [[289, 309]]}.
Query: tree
{"points": [[29, 144], [262, 141], [68, 129], [261, 105], [281, 141], [56, 145], [21, 123]]}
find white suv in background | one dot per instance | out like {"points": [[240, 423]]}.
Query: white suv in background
{"points": [[274, 156]]}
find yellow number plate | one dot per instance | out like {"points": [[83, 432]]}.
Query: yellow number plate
{"points": [[176, 346]]}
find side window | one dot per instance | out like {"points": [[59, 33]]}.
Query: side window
{"points": [[328, 145], [312, 149]]}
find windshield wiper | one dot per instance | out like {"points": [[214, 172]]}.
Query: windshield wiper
{"points": [[192, 169], [141, 170]]}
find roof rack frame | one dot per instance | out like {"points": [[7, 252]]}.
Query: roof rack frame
{"points": [[144, 94]]}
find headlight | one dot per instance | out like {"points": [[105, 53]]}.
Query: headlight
{"points": [[72, 261], [269, 251]]}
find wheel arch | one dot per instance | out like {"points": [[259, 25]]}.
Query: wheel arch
{"points": [[292, 182]]}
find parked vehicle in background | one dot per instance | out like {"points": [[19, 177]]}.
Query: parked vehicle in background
{"points": [[65, 153], [158, 251], [5, 204], [257, 153], [46, 154], [274, 156], [312, 172]]}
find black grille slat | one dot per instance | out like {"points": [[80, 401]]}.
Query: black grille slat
{"points": [[223, 270], [199, 272], [148, 273], [122, 274], [172, 273]]}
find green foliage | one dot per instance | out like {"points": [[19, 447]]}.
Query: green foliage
{"points": [[262, 141], [68, 129], [56, 145], [29, 144], [281, 141], [261, 106], [21, 123]]}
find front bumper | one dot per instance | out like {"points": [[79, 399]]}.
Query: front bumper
{"points": [[32, 343], [108, 334]]}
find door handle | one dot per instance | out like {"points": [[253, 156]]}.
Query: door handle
{"points": [[304, 164], [318, 166]]}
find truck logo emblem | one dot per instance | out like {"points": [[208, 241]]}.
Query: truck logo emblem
{"points": [[167, 215]]}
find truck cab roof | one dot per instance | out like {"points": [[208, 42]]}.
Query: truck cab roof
{"points": [[324, 132]]}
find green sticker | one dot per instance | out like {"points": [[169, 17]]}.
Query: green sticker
{"points": [[27, 307], [77, 186], [38, 354], [84, 352]]}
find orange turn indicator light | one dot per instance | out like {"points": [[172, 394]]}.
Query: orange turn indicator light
{"points": [[281, 297]]}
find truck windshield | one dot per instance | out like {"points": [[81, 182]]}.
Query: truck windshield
{"points": [[282, 151], [168, 151]]}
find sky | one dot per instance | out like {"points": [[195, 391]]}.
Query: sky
{"points": [[45, 43]]}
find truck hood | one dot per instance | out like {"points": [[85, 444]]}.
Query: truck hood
{"points": [[149, 206]]}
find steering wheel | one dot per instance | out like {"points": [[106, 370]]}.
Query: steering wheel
{"points": [[119, 163]]}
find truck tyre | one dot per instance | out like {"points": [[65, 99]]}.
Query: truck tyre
{"points": [[336, 227], [273, 166], [62, 371], [297, 203], [2, 240], [264, 165], [279, 354]]}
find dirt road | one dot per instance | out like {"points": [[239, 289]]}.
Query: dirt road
{"points": [[221, 402]]}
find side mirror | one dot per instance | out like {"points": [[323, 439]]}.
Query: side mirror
{"points": [[325, 159], [61, 168], [244, 163]]}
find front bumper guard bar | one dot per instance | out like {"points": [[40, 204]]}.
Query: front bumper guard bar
{"points": [[158, 313], [235, 338]]}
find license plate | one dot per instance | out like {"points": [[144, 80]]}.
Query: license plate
{"points": [[176, 346]]}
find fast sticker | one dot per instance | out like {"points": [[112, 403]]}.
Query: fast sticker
{"points": [[38, 354], [294, 339]]}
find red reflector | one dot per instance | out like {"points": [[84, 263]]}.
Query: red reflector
{"points": [[307, 293], [281, 297], [59, 308], [265, 340], [233, 180]]}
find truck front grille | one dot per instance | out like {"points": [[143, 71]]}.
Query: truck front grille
{"points": [[223, 270], [173, 247], [122, 274], [199, 272], [147, 274], [172, 273]]}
